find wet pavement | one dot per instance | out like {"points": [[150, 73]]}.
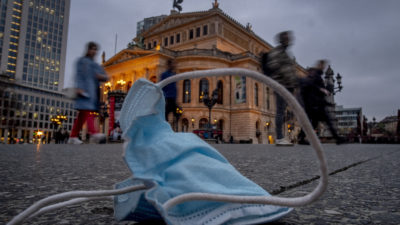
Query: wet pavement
{"points": [[364, 181]]}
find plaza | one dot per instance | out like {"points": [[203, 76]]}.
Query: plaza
{"points": [[364, 181]]}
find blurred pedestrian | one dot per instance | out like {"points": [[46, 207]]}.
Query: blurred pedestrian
{"points": [[58, 136], [313, 94], [170, 90], [65, 137], [89, 74], [282, 69]]}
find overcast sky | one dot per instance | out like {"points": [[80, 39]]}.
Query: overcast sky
{"points": [[360, 38]]}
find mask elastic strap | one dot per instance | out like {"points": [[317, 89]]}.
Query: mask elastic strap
{"points": [[68, 198], [301, 117]]}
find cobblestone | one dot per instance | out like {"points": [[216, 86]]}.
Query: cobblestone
{"points": [[364, 187]]}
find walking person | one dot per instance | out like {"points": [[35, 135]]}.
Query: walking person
{"points": [[313, 94], [89, 74], [170, 90], [283, 70]]}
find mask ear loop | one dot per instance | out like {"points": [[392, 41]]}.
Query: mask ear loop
{"points": [[68, 198], [301, 117]]}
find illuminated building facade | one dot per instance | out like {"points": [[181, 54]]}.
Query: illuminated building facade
{"points": [[198, 41], [33, 40]]}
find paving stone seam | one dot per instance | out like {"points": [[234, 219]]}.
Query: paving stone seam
{"points": [[307, 181]]}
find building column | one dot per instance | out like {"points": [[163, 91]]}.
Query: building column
{"points": [[19, 134], [30, 135], [6, 131]]}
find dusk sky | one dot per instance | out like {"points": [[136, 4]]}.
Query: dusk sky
{"points": [[360, 38]]}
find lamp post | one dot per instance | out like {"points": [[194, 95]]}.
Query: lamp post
{"points": [[210, 102], [103, 114], [193, 120], [333, 88], [179, 112], [330, 81]]}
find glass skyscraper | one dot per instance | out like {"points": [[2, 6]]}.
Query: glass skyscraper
{"points": [[33, 41]]}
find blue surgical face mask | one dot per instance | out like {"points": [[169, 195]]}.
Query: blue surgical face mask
{"points": [[172, 164]]}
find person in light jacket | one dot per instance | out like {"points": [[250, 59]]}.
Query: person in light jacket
{"points": [[89, 75]]}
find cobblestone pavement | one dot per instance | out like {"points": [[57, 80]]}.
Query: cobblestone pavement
{"points": [[364, 185]]}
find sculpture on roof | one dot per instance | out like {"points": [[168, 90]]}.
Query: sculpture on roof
{"points": [[177, 4], [215, 4], [138, 42]]}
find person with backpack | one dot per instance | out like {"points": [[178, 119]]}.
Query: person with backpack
{"points": [[279, 66], [313, 94]]}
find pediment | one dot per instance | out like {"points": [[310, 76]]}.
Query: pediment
{"points": [[127, 54], [174, 21]]}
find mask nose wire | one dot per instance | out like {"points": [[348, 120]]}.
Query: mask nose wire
{"points": [[68, 198], [301, 117]]}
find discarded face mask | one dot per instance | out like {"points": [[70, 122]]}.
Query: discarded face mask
{"points": [[169, 181], [172, 164]]}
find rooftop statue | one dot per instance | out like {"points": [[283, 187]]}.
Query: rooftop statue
{"points": [[177, 4]]}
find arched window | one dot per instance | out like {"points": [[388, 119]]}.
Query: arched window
{"points": [[220, 125], [256, 94], [185, 125], [220, 87], [186, 91], [203, 89], [203, 123], [153, 79]]}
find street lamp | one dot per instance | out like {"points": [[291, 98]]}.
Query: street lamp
{"points": [[210, 102], [103, 114], [178, 114], [330, 81], [193, 120]]}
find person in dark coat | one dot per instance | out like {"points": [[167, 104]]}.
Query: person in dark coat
{"points": [[89, 75], [283, 70], [170, 90], [313, 94]]}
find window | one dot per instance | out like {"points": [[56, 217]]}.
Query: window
{"points": [[186, 91], [185, 125], [256, 94], [154, 44], [203, 89], [268, 99], [198, 32], [149, 45], [191, 34], [166, 41], [178, 38], [203, 123], [205, 30], [220, 87], [171, 40], [220, 125]]}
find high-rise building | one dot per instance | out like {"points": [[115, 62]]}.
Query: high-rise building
{"points": [[33, 41], [349, 120], [145, 24]]}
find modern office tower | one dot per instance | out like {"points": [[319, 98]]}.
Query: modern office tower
{"points": [[33, 41], [146, 23]]}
